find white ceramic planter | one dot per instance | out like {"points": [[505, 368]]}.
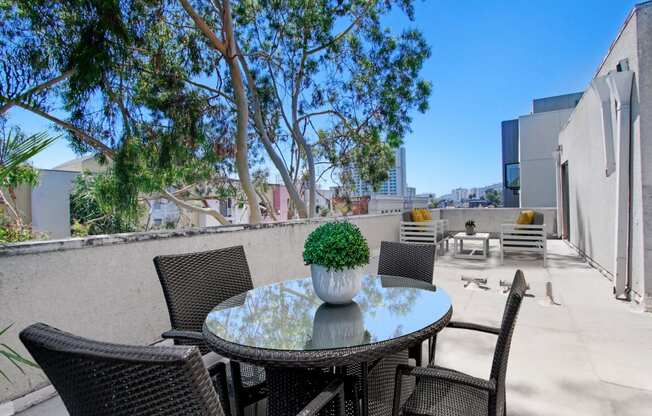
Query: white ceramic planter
{"points": [[336, 287]]}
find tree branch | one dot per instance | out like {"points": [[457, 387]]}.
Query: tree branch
{"points": [[191, 207], [337, 38], [79, 133], [34, 90], [216, 43]]}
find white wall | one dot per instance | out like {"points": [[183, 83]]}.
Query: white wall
{"points": [[592, 195], [538, 139], [106, 288], [643, 201], [51, 203]]}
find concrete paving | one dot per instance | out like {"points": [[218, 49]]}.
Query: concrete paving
{"points": [[589, 355]]}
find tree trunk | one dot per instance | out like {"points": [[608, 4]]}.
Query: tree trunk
{"points": [[228, 49], [312, 183], [14, 211], [267, 144], [241, 150]]}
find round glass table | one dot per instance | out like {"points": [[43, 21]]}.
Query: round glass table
{"points": [[285, 326]]}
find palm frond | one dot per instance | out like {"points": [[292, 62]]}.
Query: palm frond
{"points": [[19, 358], [6, 329], [16, 149], [13, 356]]}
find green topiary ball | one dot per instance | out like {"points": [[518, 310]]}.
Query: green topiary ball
{"points": [[336, 246]]}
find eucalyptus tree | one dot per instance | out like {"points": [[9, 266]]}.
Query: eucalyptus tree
{"points": [[334, 81], [142, 78]]}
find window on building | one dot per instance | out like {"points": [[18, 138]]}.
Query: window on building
{"points": [[513, 176]]}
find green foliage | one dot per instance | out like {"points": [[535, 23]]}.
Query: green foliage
{"points": [[469, 223], [10, 232], [493, 196], [336, 246], [145, 83], [12, 356], [15, 150], [94, 210], [337, 67]]}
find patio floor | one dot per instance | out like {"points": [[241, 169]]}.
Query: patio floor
{"points": [[589, 355]]}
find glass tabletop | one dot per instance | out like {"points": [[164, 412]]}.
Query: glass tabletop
{"points": [[290, 316]]}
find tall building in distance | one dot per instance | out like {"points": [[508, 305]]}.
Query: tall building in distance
{"points": [[460, 194], [395, 185]]}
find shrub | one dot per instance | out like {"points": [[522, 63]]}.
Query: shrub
{"points": [[336, 246], [14, 233]]}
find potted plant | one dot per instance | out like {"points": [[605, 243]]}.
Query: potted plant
{"points": [[470, 227], [336, 252]]}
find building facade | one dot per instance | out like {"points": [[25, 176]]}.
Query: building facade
{"points": [[460, 194], [538, 139], [533, 138], [395, 185], [604, 164]]}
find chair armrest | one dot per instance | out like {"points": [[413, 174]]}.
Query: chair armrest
{"points": [[186, 335], [334, 391], [446, 374], [473, 327], [435, 373]]}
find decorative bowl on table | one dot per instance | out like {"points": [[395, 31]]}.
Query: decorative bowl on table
{"points": [[336, 253]]}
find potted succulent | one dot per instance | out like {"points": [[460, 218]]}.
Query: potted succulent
{"points": [[470, 227], [336, 253]]}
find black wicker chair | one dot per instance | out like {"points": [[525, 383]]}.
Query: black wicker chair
{"points": [[444, 392], [411, 260], [100, 379], [414, 261], [193, 284]]}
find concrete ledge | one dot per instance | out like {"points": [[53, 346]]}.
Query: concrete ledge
{"points": [[109, 291], [33, 247]]}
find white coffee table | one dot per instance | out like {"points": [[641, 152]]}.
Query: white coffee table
{"points": [[471, 253]]}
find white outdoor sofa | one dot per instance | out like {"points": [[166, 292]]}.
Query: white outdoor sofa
{"points": [[425, 232], [522, 238]]}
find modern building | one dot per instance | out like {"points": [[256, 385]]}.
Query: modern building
{"points": [[604, 164], [532, 175], [460, 194], [395, 185]]}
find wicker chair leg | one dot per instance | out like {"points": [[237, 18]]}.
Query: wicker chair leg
{"points": [[217, 374], [236, 379], [416, 352], [365, 388], [432, 346]]}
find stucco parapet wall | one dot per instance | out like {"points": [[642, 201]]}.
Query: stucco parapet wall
{"points": [[45, 246]]}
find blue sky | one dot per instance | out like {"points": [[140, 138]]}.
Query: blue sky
{"points": [[489, 60]]}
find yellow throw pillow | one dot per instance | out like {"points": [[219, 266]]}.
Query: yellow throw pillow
{"points": [[421, 215], [525, 217], [416, 215]]}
